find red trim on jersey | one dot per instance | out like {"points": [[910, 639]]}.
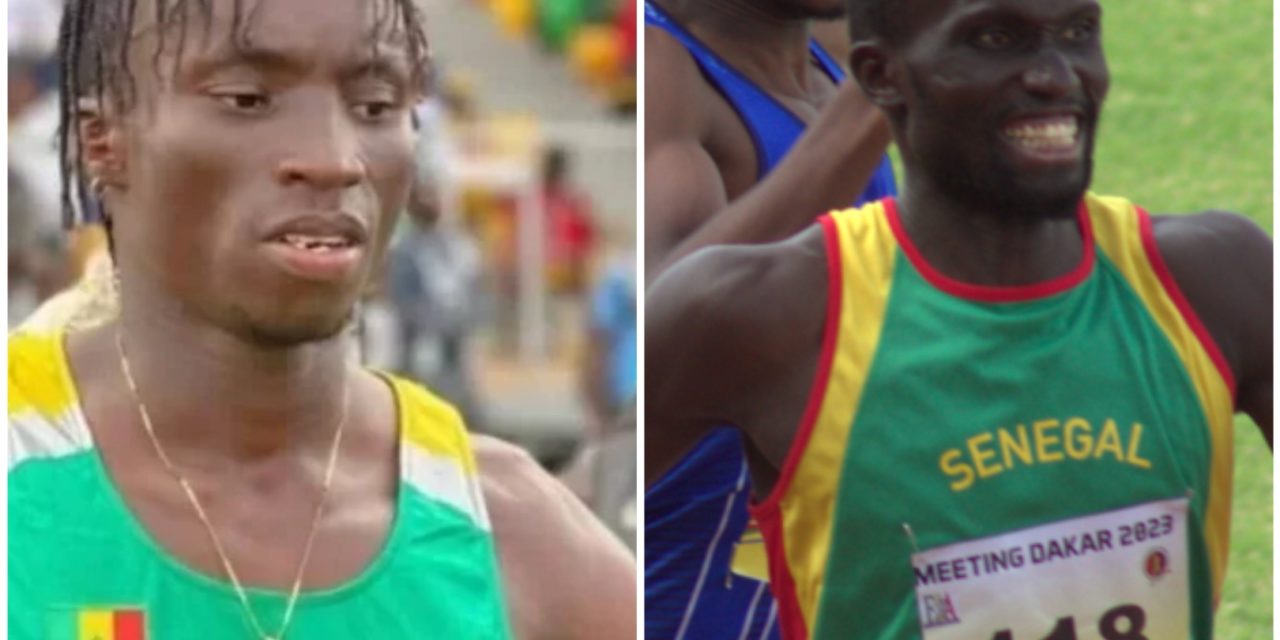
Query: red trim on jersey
{"points": [[987, 293], [768, 514], [835, 291], [1180, 301], [783, 586]]}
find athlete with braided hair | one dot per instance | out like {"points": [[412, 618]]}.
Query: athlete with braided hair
{"points": [[206, 462]]}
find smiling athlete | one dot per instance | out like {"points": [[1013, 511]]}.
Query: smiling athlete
{"points": [[208, 463], [999, 406]]}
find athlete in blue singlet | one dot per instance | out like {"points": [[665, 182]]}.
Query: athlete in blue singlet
{"points": [[714, 130]]}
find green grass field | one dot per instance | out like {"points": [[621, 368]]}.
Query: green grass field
{"points": [[1187, 127]]}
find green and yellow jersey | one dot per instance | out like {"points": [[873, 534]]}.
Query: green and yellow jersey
{"points": [[1005, 463], [82, 567]]}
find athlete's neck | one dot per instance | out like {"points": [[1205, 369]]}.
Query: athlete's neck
{"points": [[760, 40], [983, 246], [209, 390]]}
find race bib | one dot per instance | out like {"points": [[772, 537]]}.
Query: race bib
{"points": [[1120, 575]]}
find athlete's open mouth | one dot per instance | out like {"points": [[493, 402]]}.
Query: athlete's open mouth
{"points": [[319, 244], [319, 232], [318, 247], [1056, 133]]}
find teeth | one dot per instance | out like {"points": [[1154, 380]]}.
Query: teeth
{"points": [[1044, 134], [315, 243]]}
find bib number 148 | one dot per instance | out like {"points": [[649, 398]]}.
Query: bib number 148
{"points": [[1123, 622]]}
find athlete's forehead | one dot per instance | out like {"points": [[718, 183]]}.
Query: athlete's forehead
{"points": [[293, 35], [1029, 10], [931, 15]]}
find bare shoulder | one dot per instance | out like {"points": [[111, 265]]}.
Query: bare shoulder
{"points": [[1215, 256], [522, 498], [505, 470], [724, 328], [517, 490], [734, 295], [566, 576], [1222, 263], [1209, 235]]}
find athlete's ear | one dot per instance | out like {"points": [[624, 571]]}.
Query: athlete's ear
{"points": [[876, 74], [101, 145]]}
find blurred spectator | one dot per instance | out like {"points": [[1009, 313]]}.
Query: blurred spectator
{"points": [[433, 280], [603, 474], [609, 373], [22, 294], [570, 227], [434, 273], [32, 150]]}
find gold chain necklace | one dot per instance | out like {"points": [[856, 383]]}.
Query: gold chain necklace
{"points": [[204, 518]]}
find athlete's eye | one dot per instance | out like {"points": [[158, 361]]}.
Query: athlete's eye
{"points": [[245, 101], [1081, 31], [375, 109], [994, 38]]}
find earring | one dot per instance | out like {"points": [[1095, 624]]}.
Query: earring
{"points": [[97, 186]]}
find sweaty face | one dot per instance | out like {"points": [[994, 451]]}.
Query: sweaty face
{"points": [[263, 175], [1002, 99]]}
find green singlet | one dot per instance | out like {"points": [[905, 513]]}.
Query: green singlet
{"points": [[1005, 463], [81, 566]]}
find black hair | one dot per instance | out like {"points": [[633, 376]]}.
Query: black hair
{"points": [[93, 58]]}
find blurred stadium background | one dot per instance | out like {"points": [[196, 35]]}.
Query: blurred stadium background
{"points": [[510, 287], [1188, 127]]}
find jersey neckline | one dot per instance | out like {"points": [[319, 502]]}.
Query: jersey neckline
{"points": [[220, 586], [995, 293]]}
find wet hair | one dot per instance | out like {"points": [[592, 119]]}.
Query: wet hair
{"points": [[93, 58], [874, 19]]}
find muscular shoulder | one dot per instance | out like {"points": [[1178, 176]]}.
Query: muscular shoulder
{"points": [[742, 287], [1205, 232], [1222, 264], [726, 317], [520, 495], [565, 575]]}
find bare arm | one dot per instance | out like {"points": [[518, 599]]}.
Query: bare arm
{"points": [[732, 335], [686, 207], [1222, 263], [566, 576]]}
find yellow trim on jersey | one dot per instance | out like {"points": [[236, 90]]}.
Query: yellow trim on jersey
{"points": [[42, 391], [39, 380], [1118, 232], [867, 255], [432, 425]]}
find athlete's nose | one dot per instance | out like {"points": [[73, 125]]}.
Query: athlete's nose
{"points": [[1051, 74], [325, 158]]}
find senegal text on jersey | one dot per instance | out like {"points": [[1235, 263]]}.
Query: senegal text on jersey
{"points": [[1051, 441]]}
